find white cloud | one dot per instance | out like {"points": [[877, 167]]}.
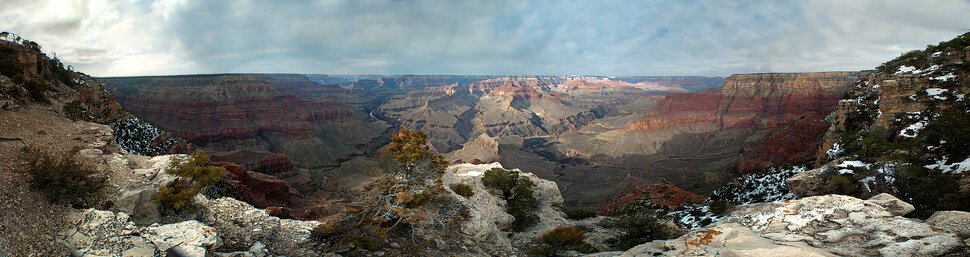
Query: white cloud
{"points": [[114, 38]]}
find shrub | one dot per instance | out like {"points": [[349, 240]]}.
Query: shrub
{"points": [[63, 179], [839, 184], [579, 213], [194, 175], [410, 150], [500, 179], [562, 239], [720, 207], [931, 191], [462, 190], [518, 194], [523, 206], [640, 227], [73, 110]]}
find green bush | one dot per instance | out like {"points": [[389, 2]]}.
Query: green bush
{"points": [[640, 227], [73, 110], [413, 155], [932, 191], [518, 194], [500, 179], [63, 179], [194, 175], [523, 205], [562, 239], [462, 190], [579, 213], [839, 184]]}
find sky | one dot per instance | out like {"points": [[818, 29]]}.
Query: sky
{"points": [[471, 37]]}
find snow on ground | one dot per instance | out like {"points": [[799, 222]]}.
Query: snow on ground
{"points": [[956, 167], [937, 93], [755, 188], [847, 165], [912, 130], [137, 137], [835, 151], [946, 77], [906, 69], [853, 164]]}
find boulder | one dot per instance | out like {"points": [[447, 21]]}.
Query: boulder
{"points": [[103, 233], [892, 204], [140, 204], [187, 238], [241, 226], [806, 183], [727, 240], [952, 221]]}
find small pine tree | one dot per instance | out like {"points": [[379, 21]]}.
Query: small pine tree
{"points": [[412, 153], [194, 175]]}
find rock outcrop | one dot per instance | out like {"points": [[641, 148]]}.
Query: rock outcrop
{"points": [[103, 233], [136, 226], [258, 189], [488, 219], [830, 225]]}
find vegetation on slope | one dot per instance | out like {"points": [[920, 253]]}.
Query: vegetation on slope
{"points": [[518, 194], [194, 175], [921, 157], [62, 178]]}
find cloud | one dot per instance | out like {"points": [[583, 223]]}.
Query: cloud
{"points": [[115, 38]]}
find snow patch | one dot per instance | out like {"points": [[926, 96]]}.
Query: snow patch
{"points": [[913, 129], [853, 164], [955, 168], [946, 77], [835, 151], [905, 69]]}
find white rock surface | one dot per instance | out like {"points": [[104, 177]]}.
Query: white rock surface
{"points": [[828, 225], [892, 204], [103, 233], [192, 238], [952, 221], [488, 218], [241, 226]]}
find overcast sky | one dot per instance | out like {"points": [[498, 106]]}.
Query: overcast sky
{"points": [[121, 38]]}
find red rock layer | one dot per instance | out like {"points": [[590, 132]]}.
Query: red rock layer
{"points": [[264, 162], [205, 108], [788, 108], [666, 195], [258, 189]]}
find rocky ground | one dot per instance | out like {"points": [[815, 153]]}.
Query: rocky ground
{"points": [[829, 225], [29, 223]]}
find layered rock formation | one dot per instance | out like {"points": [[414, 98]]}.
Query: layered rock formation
{"points": [[286, 114], [698, 141], [779, 117]]}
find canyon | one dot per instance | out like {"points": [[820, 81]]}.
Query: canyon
{"points": [[597, 137]]}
